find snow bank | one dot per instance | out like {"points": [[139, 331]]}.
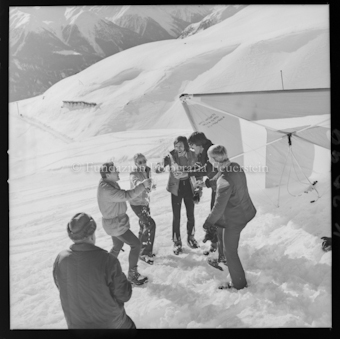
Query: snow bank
{"points": [[289, 275]]}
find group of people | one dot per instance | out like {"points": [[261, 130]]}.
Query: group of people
{"points": [[92, 286]]}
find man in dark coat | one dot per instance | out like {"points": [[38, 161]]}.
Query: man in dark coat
{"points": [[91, 284], [232, 210], [200, 144]]}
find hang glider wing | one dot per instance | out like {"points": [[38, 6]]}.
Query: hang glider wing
{"points": [[236, 119]]}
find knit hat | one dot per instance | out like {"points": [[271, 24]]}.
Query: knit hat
{"points": [[81, 226]]}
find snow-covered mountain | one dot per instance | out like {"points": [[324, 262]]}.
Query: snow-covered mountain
{"points": [[43, 52], [56, 150], [219, 14], [139, 88], [48, 44], [154, 22]]}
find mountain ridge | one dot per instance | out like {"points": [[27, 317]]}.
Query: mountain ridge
{"points": [[139, 88], [95, 32]]}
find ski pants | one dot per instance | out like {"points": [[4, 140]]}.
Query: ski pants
{"points": [[147, 228], [184, 193], [130, 239], [231, 237], [219, 243]]}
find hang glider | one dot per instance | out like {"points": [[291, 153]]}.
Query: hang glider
{"points": [[292, 121]]}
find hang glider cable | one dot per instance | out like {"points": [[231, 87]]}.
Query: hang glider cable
{"points": [[293, 158], [309, 127]]}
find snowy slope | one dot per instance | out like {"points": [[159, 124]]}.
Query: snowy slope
{"points": [[55, 154], [299, 47], [289, 276], [139, 88], [65, 40]]}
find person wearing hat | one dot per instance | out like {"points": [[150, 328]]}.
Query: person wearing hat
{"points": [[91, 284], [232, 210], [112, 205]]}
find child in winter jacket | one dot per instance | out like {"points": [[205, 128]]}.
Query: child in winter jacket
{"points": [[140, 205], [200, 144], [112, 204]]}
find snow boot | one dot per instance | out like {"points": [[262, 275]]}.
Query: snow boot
{"points": [[222, 259], [215, 262], [192, 243], [147, 259], [210, 250], [177, 248], [228, 286], [136, 278]]}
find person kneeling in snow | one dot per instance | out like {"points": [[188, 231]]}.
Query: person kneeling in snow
{"points": [[112, 204], [91, 284], [232, 210], [140, 205]]}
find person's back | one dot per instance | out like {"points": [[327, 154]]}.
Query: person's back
{"points": [[232, 211], [239, 207], [91, 283]]}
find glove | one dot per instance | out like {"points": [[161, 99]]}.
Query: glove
{"points": [[159, 168], [326, 244], [207, 183], [197, 195], [211, 233]]}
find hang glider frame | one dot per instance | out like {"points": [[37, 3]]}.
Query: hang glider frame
{"points": [[291, 154], [184, 97]]}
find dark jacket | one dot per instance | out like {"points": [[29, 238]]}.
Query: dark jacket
{"points": [[92, 287], [208, 169], [233, 205]]}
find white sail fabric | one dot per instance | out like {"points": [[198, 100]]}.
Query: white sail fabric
{"points": [[229, 118]]}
